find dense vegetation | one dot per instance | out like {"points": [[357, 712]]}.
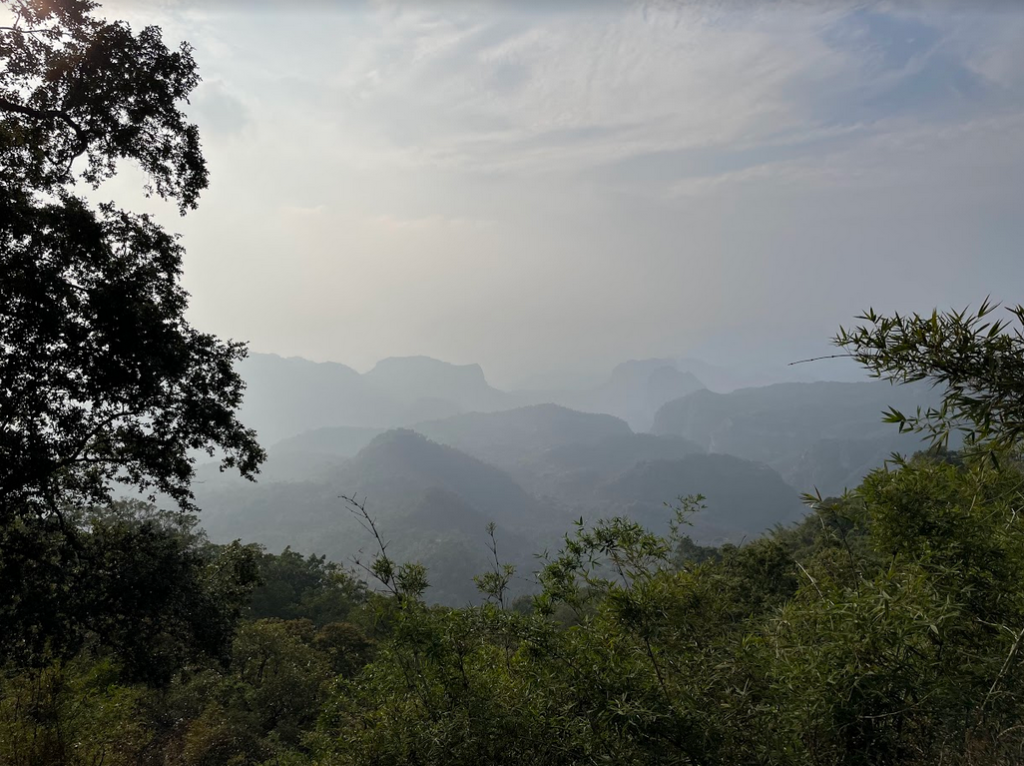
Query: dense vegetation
{"points": [[885, 628]]}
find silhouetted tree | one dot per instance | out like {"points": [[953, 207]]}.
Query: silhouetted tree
{"points": [[101, 377]]}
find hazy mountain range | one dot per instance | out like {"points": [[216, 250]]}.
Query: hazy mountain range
{"points": [[288, 396], [432, 501], [817, 435], [437, 453]]}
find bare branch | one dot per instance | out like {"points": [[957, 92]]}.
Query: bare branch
{"points": [[819, 358]]}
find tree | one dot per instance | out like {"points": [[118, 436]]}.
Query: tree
{"points": [[311, 587], [102, 379], [135, 583], [976, 359], [81, 715]]}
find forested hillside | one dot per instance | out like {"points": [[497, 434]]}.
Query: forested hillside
{"points": [[534, 469], [878, 630], [289, 396], [750, 452]]}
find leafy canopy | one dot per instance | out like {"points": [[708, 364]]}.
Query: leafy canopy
{"points": [[76, 86], [102, 379], [976, 359]]}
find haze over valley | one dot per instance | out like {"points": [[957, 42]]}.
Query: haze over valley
{"points": [[438, 453]]}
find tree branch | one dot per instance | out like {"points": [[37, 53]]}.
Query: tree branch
{"points": [[48, 114], [819, 358]]}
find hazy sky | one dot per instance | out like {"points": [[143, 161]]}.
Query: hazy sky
{"points": [[541, 187]]}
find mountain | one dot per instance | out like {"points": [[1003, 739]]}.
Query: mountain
{"points": [[724, 379], [399, 466], [419, 378], [286, 397], [583, 464], [743, 498], [341, 441], [314, 455], [509, 437], [476, 456], [617, 452], [828, 434], [637, 388], [569, 473], [832, 465], [431, 502]]}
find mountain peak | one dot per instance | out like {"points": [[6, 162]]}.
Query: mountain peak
{"points": [[413, 378]]}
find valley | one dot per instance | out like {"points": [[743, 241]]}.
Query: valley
{"points": [[437, 454]]}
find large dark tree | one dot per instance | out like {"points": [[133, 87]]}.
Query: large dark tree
{"points": [[102, 380]]}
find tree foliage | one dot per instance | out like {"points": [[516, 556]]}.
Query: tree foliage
{"points": [[885, 629], [139, 585], [74, 85], [102, 379], [296, 587], [976, 359]]}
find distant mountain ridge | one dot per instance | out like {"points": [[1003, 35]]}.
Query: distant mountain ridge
{"points": [[504, 438], [743, 498], [825, 435], [413, 378], [289, 396], [438, 453], [404, 457], [638, 388], [343, 441], [531, 470], [431, 501]]}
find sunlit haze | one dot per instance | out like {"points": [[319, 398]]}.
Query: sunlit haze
{"points": [[550, 189]]}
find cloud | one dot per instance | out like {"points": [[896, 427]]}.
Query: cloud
{"points": [[513, 91], [890, 155], [596, 184], [510, 92]]}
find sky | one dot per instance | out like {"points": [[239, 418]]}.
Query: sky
{"points": [[547, 189]]}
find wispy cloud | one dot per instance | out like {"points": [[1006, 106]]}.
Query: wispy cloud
{"points": [[620, 176]]}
